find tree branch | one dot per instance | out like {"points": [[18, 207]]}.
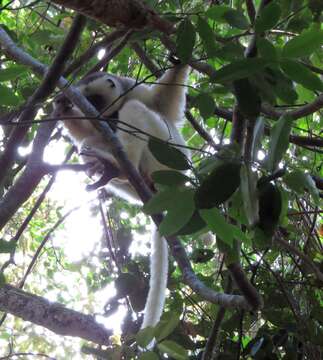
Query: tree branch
{"points": [[52, 316], [28, 181], [211, 344], [110, 54], [93, 50], [43, 91]]}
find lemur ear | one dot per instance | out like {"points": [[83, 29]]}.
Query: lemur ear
{"points": [[111, 83]]}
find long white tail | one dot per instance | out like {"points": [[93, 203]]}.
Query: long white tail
{"points": [[158, 280]]}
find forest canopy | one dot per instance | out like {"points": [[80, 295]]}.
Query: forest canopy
{"points": [[242, 216]]}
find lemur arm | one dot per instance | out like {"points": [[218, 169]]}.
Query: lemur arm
{"points": [[169, 93], [79, 128]]}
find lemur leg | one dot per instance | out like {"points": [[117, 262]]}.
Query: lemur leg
{"points": [[169, 94], [88, 150]]}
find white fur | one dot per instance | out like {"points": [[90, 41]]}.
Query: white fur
{"points": [[158, 280], [156, 110]]}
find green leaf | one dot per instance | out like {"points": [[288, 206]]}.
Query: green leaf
{"points": [[218, 224], [12, 73], [42, 37], [268, 17], [180, 212], [304, 44], [205, 104], [312, 189], [173, 349], [240, 235], [239, 69], [248, 100], [279, 141], [258, 133], [168, 155], [7, 97], [145, 336], [169, 178], [217, 12], [231, 252], [185, 40], [249, 194], [300, 181], [166, 325], [236, 19], [196, 223], [301, 74], [159, 202], [284, 87], [266, 49], [219, 186], [148, 355], [207, 35], [7, 246]]}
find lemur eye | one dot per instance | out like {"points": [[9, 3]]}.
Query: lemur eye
{"points": [[112, 84]]}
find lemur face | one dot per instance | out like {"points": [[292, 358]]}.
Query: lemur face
{"points": [[62, 106], [102, 91]]}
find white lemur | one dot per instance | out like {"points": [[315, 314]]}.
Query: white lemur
{"points": [[156, 110]]}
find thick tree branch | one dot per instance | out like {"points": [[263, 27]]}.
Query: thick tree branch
{"points": [[52, 316], [28, 181], [302, 111], [133, 14], [238, 127], [43, 91], [251, 10]]}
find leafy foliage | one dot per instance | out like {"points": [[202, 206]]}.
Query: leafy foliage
{"points": [[259, 197]]}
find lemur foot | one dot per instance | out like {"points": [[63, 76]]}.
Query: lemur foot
{"points": [[106, 168], [89, 151], [109, 172]]}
